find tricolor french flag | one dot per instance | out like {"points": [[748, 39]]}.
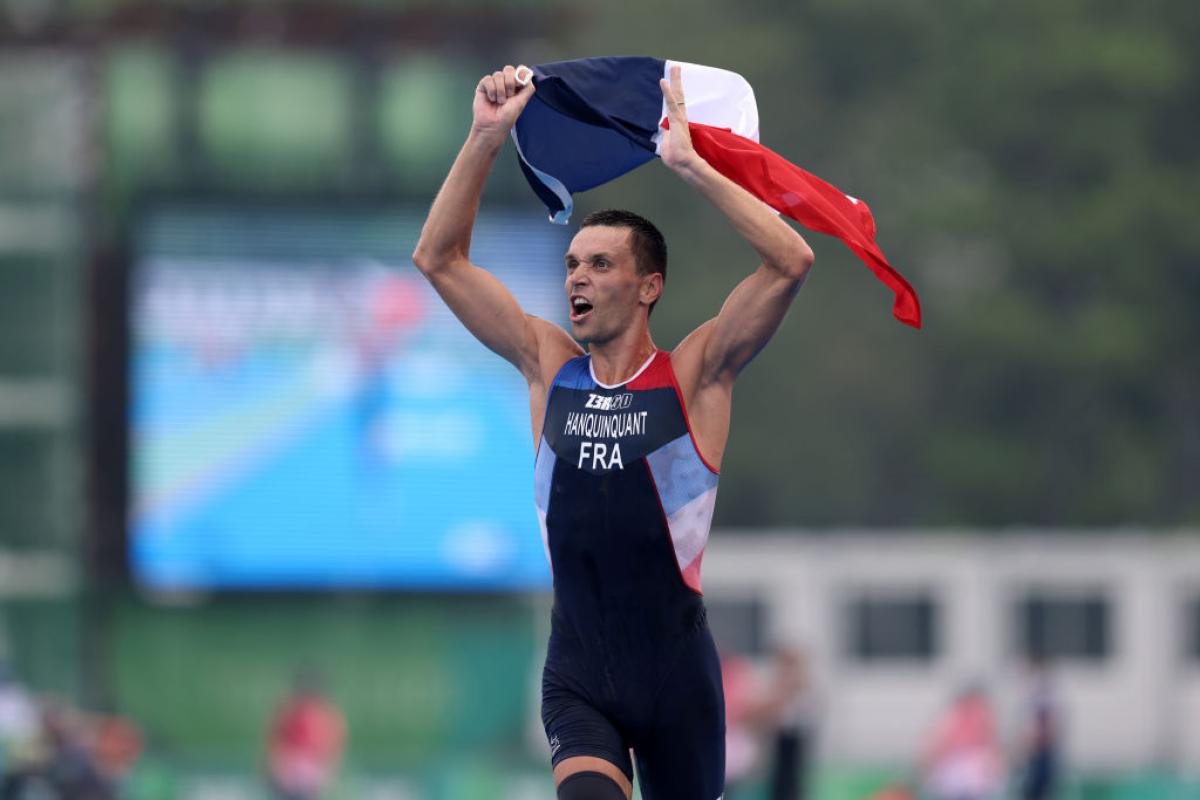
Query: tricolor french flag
{"points": [[594, 119]]}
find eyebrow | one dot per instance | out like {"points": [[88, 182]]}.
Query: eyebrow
{"points": [[570, 256]]}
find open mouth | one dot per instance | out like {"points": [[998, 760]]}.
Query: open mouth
{"points": [[580, 309]]}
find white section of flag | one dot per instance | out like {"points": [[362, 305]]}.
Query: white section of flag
{"points": [[715, 97]]}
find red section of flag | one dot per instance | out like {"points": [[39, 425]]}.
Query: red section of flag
{"points": [[804, 197]]}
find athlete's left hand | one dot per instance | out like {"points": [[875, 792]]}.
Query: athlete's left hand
{"points": [[676, 150]]}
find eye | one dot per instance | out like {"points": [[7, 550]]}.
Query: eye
{"points": [[600, 263]]}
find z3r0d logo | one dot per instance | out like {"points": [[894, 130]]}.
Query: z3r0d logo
{"points": [[614, 402]]}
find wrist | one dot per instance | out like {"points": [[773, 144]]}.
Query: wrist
{"points": [[692, 168], [489, 139]]}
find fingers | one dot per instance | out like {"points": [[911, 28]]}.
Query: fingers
{"points": [[510, 81], [501, 85], [673, 93], [486, 87], [668, 95], [676, 109], [677, 82]]}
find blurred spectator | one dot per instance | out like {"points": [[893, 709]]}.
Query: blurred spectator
{"points": [[894, 791], [19, 723], [962, 760], [778, 706], [741, 701], [116, 746], [1040, 739], [305, 741], [60, 766], [796, 716], [71, 769]]}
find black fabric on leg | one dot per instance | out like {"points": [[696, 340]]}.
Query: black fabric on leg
{"points": [[590, 786]]}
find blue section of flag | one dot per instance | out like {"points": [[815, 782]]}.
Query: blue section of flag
{"points": [[591, 120]]}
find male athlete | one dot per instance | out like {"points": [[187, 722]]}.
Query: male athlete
{"points": [[629, 439]]}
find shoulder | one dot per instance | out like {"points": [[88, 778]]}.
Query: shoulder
{"points": [[555, 347], [574, 373]]}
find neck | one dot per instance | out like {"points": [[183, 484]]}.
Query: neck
{"points": [[616, 361]]}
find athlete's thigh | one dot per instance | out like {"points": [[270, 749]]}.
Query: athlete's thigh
{"points": [[683, 757], [574, 727]]}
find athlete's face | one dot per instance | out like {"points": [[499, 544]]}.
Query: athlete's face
{"points": [[605, 291]]}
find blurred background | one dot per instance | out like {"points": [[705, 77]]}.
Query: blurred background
{"points": [[266, 511]]}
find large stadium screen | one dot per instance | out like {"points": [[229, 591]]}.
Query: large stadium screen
{"points": [[306, 413]]}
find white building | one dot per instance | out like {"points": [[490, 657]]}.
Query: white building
{"points": [[896, 622]]}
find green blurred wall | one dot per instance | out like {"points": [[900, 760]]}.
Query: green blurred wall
{"points": [[417, 676]]}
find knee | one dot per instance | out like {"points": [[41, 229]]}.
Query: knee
{"points": [[589, 786]]}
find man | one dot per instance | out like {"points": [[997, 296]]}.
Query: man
{"points": [[629, 440], [1040, 746], [306, 740], [963, 760]]}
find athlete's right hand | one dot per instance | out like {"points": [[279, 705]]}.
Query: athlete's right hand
{"points": [[499, 100]]}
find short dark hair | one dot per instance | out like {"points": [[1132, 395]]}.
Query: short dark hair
{"points": [[646, 241]]}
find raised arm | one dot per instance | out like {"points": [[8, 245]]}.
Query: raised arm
{"points": [[722, 347], [483, 304]]}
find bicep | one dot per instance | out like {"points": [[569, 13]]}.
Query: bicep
{"points": [[749, 318], [489, 311]]}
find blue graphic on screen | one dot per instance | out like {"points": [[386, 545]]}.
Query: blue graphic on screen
{"points": [[306, 412]]}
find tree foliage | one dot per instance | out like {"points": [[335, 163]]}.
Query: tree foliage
{"points": [[1033, 168]]}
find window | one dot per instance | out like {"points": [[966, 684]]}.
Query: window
{"points": [[1191, 630], [887, 626], [738, 624], [1057, 625]]}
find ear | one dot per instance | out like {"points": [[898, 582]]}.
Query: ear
{"points": [[651, 288]]}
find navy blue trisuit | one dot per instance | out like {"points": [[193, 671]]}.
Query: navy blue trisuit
{"points": [[626, 500]]}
